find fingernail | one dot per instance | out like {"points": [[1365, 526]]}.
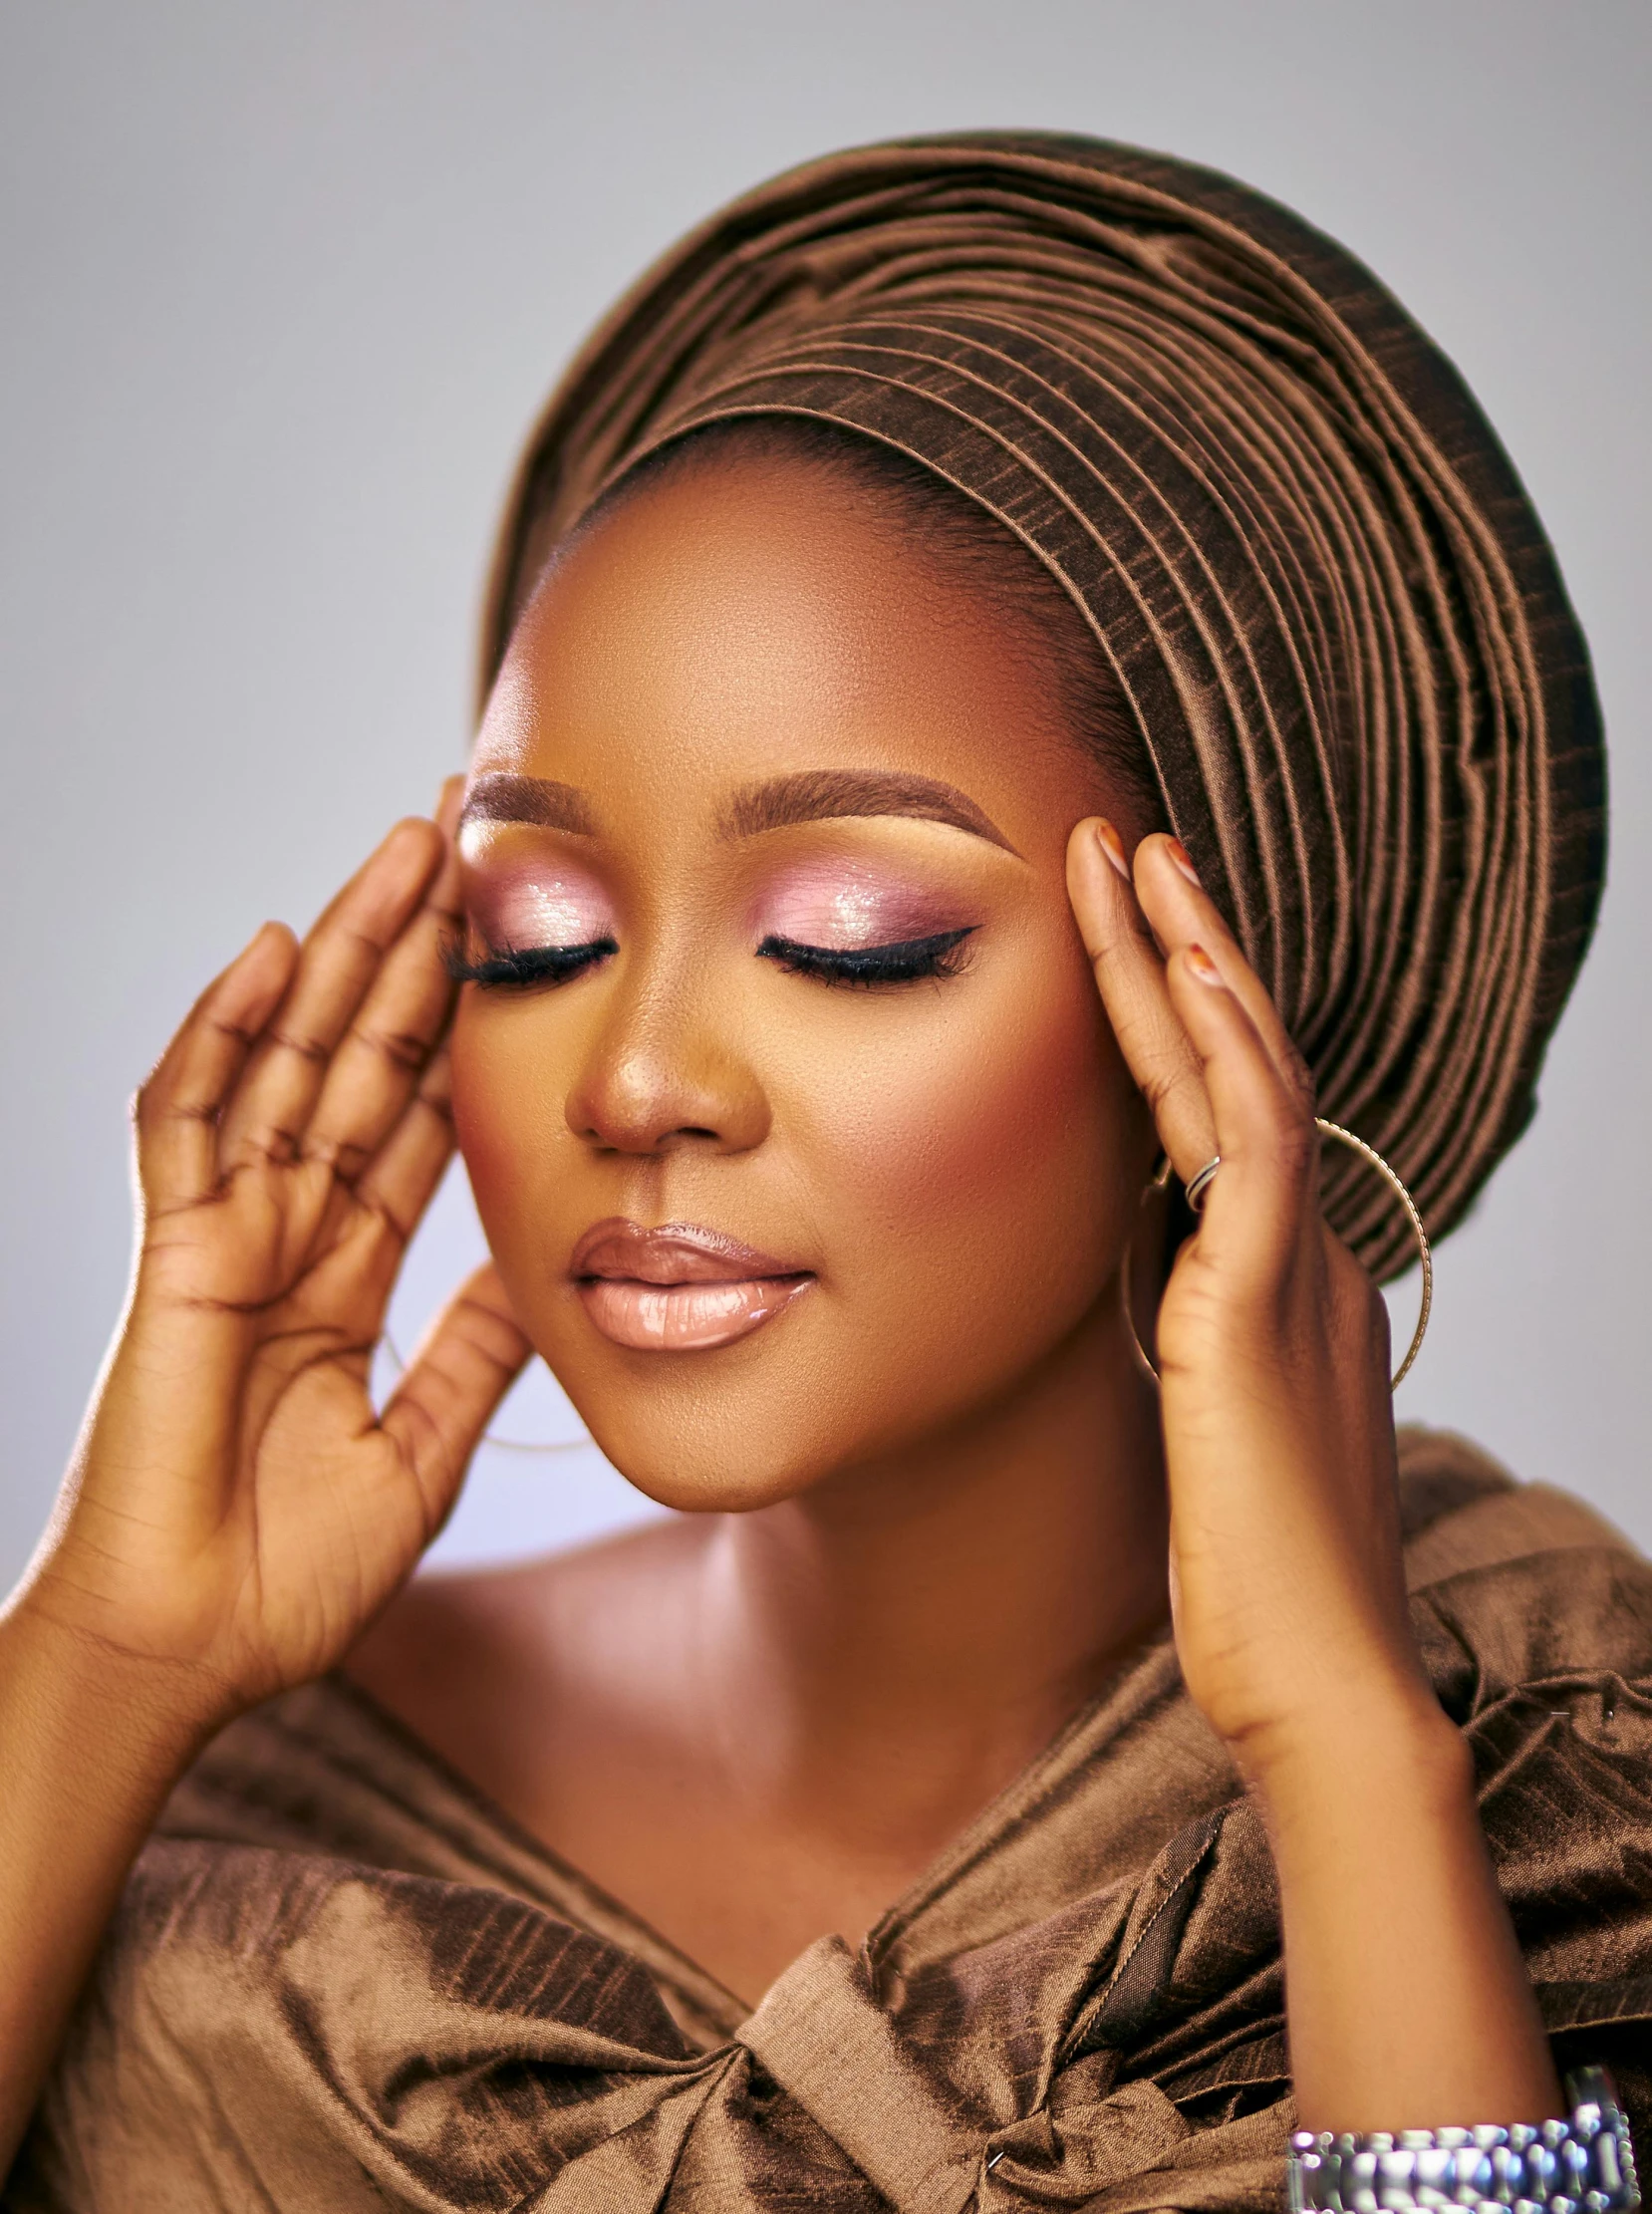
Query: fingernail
{"points": [[403, 838], [449, 800], [1201, 964], [1179, 854], [1112, 845]]}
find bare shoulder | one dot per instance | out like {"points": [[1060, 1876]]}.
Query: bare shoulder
{"points": [[483, 1663]]}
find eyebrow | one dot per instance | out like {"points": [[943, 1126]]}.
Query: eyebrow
{"points": [[503, 798], [821, 795], [805, 796]]}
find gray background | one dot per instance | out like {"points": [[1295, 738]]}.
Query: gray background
{"points": [[281, 290]]}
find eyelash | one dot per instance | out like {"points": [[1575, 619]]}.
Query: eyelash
{"points": [[906, 962], [525, 964], [903, 962]]}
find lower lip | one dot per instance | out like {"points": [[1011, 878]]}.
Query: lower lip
{"points": [[684, 1318]]}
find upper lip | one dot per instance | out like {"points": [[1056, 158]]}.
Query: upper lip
{"points": [[673, 1252]]}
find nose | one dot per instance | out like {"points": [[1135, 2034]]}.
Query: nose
{"points": [[662, 1074]]}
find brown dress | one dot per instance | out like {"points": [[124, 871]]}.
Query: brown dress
{"points": [[340, 1981]]}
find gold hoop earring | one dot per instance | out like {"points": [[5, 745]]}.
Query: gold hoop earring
{"points": [[501, 1445], [1368, 1154]]}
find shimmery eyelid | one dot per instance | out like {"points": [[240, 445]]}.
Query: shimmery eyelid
{"points": [[539, 907], [845, 905]]}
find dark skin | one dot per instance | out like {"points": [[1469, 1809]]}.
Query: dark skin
{"points": [[935, 1504], [900, 1592]]}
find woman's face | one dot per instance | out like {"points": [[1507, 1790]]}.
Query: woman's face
{"points": [[763, 853]]}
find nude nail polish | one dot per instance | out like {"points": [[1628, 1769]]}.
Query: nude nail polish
{"points": [[1179, 854], [1112, 845]]}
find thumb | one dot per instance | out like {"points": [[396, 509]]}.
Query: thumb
{"points": [[468, 1360]]}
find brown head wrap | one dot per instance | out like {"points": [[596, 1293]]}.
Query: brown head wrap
{"points": [[1295, 537]]}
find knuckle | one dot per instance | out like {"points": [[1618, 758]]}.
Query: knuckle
{"points": [[307, 1048], [273, 1147], [437, 1100], [383, 1219], [1296, 1147], [401, 1048], [489, 1333], [1163, 1087], [236, 1034], [1298, 1080], [343, 1157], [362, 943]]}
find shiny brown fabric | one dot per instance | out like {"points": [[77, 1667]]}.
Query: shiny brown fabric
{"points": [[1296, 539], [339, 1982]]}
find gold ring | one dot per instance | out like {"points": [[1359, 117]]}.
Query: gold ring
{"points": [[1207, 1175]]}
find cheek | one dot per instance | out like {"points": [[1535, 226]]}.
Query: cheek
{"points": [[994, 1149], [500, 1110]]}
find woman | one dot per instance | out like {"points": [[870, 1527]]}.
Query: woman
{"points": [[1012, 664]]}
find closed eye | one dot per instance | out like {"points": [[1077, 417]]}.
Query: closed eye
{"points": [[525, 964], [903, 961]]}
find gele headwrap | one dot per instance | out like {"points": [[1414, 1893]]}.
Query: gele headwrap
{"points": [[1297, 540]]}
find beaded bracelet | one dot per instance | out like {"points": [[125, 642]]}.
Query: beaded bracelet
{"points": [[1583, 2166]]}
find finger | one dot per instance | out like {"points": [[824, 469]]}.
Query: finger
{"points": [[339, 959], [1130, 976], [467, 1361], [363, 1229], [1182, 913], [400, 1182], [178, 1109], [1266, 1193], [396, 1029], [449, 802]]}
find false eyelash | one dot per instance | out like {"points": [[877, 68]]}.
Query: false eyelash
{"points": [[902, 963], [525, 964]]}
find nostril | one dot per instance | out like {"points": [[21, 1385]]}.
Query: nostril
{"points": [[634, 1102]]}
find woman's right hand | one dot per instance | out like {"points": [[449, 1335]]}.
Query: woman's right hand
{"points": [[237, 1511]]}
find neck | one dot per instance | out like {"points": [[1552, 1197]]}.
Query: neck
{"points": [[921, 1625]]}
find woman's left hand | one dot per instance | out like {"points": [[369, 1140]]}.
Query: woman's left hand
{"points": [[1407, 2002], [1290, 1604]]}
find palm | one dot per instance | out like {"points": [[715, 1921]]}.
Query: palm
{"points": [[1272, 1340], [239, 1496], [326, 1506]]}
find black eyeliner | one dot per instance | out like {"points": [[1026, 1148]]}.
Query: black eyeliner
{"points": [[526, 964], [905, 960]]}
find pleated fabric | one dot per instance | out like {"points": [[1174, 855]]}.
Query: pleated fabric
{"points": [[1297, 541], [339, 1980]]}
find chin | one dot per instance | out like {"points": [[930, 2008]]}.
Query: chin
{"points": [[719, 1433], [707, 1480], [806, 1402]]}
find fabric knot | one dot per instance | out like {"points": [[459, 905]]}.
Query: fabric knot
{"points": [[821, 2035]]}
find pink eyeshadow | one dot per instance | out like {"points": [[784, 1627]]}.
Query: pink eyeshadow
{"points": [[540, 907], [846, 905]]}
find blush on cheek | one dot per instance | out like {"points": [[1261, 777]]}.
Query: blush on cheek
{"points": [[995, 1135], [490, 1138], [845, 904]]}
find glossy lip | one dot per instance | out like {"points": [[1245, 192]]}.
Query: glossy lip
{"points": [[678, 1289]]}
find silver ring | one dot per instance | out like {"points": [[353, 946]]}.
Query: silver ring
{"points": [[1202, 1183]]}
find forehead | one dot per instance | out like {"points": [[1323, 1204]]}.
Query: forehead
{"points": [[746, 621]]}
